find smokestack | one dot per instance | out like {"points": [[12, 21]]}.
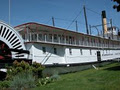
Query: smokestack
{"points": [[104, 22]]}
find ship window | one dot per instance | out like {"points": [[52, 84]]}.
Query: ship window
{"points": [[59, 37], [82, 40], [70, 40], [55, 36], [40, 36], [23, 36], [70, 51], [34, 36], [88, 39], [92, 40], [90, 52], [44, 50], [66, 38], [45, 36], [81, 52], [73, 39], [29, 37], [62, 37], [103, 43], [50, 36], [55, 50]]}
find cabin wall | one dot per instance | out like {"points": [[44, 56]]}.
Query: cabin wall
{"points": [[49, 56], [110, 54], [67, 54], [80, 55]]}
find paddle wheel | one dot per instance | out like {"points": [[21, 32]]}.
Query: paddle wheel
{"points": [[5, 53], [11, 45]]}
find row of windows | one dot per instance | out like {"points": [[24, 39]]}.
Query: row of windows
{"points": [[55, 37], [44, 50], [90, 51], [70, 51], [81, 51], [71, 40]]}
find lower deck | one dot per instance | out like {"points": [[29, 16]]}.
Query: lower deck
{"points": [[49, 54]]}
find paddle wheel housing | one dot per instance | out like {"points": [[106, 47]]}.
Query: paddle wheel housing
{"points": [[10, 40]]}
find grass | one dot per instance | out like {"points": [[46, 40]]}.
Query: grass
{"points": [[105, 78]]}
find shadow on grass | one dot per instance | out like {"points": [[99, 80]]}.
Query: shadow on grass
{"points": [[115, 68]]}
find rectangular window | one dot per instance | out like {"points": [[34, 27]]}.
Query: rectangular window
{"points": [[90, 52], [73, 39], [88, 40], [81, 52], [70, 40], [59, 37], [92, 41], [50, 36], [44, 50], [39, 36], [55, 36], [103, 51], [55, 50], [82, 40], [62, 37], [23, 36], [34, 36], [45, 37], [66, 38], [70, 51]]}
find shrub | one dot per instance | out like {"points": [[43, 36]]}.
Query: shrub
{"points": [[23, 76], [23, 80], [46, 80], [23, 66], [4, 84], [43, 81], [37, 69]]}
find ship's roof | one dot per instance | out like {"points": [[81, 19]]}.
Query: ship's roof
{"points": [[37, 26]]}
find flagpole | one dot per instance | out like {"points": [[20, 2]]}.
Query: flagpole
{"points": [[9, 12]]}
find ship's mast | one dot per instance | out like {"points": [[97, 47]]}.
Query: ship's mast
{"points": [[111, 27], [86, 19], [53, 22], [76, 26]]}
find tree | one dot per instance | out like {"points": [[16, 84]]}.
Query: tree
{"points": [[117, 6]]}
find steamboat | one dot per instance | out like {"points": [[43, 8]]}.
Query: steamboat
{"points": [[50, 45]]}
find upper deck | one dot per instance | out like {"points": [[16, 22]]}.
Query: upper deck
{"points": [[34, 32]]}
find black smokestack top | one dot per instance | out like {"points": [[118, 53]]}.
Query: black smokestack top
{"points": [[104, 14], [104, 22]]}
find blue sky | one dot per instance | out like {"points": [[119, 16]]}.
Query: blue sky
{"points": [[64, 11]]}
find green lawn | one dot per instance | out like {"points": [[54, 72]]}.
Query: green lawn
{"points": [[105, 78]]}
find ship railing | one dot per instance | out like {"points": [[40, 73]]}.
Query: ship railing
{"points": [[84, 44]]}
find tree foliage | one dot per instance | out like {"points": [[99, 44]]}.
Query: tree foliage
{"points": [[117, 6]]}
